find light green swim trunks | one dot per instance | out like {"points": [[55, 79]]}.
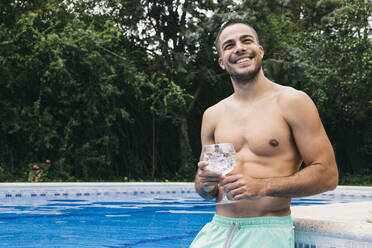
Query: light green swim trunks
{"points": [[255, 232]]}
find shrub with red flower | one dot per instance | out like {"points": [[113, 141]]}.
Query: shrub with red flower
{"points": [[39, 171]]}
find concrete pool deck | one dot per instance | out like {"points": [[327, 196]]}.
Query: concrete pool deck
{"points": [[341, 219]]}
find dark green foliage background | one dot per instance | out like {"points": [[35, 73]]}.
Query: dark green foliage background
{"points": [[115, 90]]}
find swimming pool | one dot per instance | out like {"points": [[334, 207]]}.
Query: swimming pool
{"points": [[119, 215]]}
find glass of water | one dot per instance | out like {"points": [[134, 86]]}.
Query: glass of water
{"points": [[221, 158]]}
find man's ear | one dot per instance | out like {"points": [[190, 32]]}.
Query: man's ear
{"points": [[262, 52], [220, 62]]}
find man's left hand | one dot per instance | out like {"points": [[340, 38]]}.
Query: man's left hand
{"points": [[243, 187]]}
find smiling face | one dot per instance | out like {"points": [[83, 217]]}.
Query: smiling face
{"points": [[240, 54]]}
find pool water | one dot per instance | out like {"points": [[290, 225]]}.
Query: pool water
{"points": [[113, 219], [159, 222], [156, 222]]}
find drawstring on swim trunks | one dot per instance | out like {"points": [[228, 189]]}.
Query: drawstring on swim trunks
{"points": [[230, 235]]}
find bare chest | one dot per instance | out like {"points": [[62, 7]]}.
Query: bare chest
{"points": [[262, 131]]}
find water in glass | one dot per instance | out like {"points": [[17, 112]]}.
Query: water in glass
{"points": [[221, 158]]}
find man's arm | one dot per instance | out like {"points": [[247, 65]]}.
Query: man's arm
{"points": [[320, 173], [206, 182]]}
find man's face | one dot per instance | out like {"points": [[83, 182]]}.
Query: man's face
{"points": [[240, 54]]}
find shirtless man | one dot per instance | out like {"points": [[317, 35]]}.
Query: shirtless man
{"points": [[274, 129]]}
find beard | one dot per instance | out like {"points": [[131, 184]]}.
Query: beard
{"points": [[247, 75]]}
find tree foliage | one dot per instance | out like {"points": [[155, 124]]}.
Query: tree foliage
{"points": [[108, 90], [64, 95], [340, 49]]}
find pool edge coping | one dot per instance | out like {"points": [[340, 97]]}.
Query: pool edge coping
{"points": [[326, 219], [134, 183]]}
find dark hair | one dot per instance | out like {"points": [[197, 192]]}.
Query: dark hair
{"points": [[229, 23]]}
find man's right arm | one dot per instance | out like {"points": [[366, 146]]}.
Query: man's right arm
{"points": [[206, 182]]}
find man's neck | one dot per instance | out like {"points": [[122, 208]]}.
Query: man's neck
{"points": [[249, 90]]}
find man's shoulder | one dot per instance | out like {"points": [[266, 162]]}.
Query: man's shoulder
{"points": [[288, 96], [295, 104], [218, 107]]}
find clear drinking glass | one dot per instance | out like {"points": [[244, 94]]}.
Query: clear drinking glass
{"points": [[221, 158]]}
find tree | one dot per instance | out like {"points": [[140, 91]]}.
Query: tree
{"points": [[63, 92], [340, 51], [165, 31], [113, 89]]}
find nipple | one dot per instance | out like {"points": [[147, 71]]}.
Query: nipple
{"points": [[274, 143]]}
